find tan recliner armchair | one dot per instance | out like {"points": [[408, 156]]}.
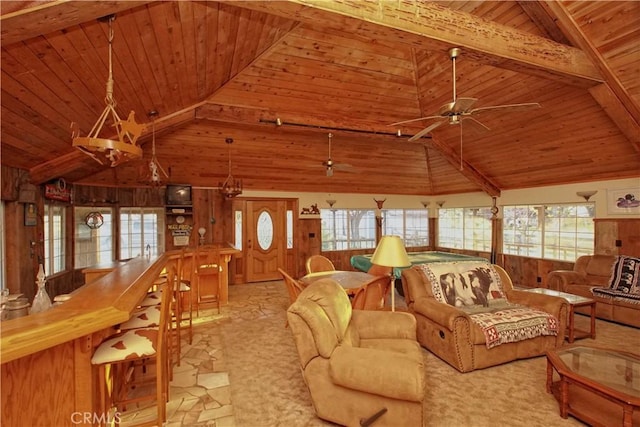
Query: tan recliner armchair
{"points": [[357, 363]]}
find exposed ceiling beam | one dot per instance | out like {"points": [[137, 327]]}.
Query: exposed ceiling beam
{"points": [[426, 25], [618, 103], [543, 20], [30, 22], [465, 168]]}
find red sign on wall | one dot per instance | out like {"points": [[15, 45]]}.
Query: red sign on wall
{"points": [[57, 192]]}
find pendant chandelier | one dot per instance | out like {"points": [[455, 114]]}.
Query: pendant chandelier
{"points": [[231, 187], [110, 151], [153, 172]]}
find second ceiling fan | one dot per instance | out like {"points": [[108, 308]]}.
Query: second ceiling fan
{"points": [[330, 165], [460, 109]]}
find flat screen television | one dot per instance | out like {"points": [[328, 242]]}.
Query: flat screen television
{"points": [[178, 195]]}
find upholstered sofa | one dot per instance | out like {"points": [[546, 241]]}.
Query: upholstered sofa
{"points": [[591, 271], [449, 332], [358, 364]]}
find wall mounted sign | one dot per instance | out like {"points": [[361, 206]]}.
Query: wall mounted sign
{"points": [[30, 214], [58, 191]]}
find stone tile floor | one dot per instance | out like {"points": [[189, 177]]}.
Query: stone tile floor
{"points": [[199, 392]]}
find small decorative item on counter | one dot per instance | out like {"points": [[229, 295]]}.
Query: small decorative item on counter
{"points": [[41, 302]]}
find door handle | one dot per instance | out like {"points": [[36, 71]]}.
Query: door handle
{"points": [[249, 245]]}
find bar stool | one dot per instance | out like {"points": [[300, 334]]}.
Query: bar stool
{"points": [[117, 356]]}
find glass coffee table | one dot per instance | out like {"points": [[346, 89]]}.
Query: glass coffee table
{"points": [[574, 301], [598, 386]]}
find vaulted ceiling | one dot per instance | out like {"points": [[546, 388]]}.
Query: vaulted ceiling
{"points": [[215, 70]]}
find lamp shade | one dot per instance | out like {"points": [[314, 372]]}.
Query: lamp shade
{"points": [[391, 253]]}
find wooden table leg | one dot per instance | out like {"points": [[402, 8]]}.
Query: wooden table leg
{"points": [[593, 320], [564, 397], [571, 325]]}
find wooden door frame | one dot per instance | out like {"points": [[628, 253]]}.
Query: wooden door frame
{"points": [[239, 269]]}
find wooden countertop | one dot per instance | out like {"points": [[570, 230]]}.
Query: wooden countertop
{"points": [[94, 307]]}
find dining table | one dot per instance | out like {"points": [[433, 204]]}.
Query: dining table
{"points": [[350, 281]]}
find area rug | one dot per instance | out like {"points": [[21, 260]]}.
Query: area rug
{"points": [[267, 388]]}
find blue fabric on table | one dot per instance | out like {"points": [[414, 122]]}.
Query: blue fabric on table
{"points": [[363, 262]]}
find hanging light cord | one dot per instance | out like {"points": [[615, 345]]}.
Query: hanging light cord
{"points": [[109, 98]]}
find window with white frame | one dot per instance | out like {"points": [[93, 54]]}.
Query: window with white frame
{"points": [[289, 229], [344, 229], [561, 232], [412, 225], [93, 245], [141, 231], [465, 228], [54, 239]]}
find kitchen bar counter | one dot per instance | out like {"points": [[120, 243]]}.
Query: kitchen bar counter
{"points": [[45, 358]]}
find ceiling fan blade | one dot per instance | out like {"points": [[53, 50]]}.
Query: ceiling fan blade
{"points": [[425, 131], [345, 167], [511, 107], [462, 105], [478, 124], [414, 120]]}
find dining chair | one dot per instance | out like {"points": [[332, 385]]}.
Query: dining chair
{"points": [[316, 263], [293, 286], [372, 295]]}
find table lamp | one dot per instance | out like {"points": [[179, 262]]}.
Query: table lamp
{"points": [[391, 253]]}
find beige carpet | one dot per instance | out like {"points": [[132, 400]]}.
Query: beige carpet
{"points": [[267, 387]]}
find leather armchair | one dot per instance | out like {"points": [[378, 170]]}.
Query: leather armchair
{"points": [[357, 362]]}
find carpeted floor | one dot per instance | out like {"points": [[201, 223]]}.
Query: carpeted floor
{"points": [[267, 388]]}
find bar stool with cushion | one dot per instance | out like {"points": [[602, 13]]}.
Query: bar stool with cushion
{"points": [[117, 356], [208, 272]]}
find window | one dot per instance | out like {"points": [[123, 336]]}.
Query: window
{"points": [[237, 222], [93, 245], [141, 229], [412, 225], [348, 229], [465, 228], [562, 232], [289, 229], [54, 239]]}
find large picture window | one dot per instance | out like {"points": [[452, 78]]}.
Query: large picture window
{"points": [[54, 239], [93, 245], [344, 229], [465, 228], [412, 225], [561, 232], [141, 231]]}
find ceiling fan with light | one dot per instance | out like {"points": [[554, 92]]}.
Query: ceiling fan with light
{"points": [[330, 165], [460, 109]]}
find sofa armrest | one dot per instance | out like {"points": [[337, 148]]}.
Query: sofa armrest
{"points": [[380, 372], [383, 324], [548, 303], [560, 279], [442, 314]]}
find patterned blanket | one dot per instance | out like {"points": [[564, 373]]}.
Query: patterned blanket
{"points": [[514, 324], [624, 282], [475, 288]]}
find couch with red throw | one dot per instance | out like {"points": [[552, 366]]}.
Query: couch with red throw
{"points": [[613, 281], [468, 314]]}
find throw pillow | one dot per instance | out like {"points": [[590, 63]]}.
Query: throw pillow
{"points": [[464, 283], [625, 275]]}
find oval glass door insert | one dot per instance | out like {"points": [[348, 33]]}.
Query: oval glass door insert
{"points": [[264, 229]]}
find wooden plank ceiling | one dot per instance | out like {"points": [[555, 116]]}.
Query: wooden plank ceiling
{"points": [[215, 70]]}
